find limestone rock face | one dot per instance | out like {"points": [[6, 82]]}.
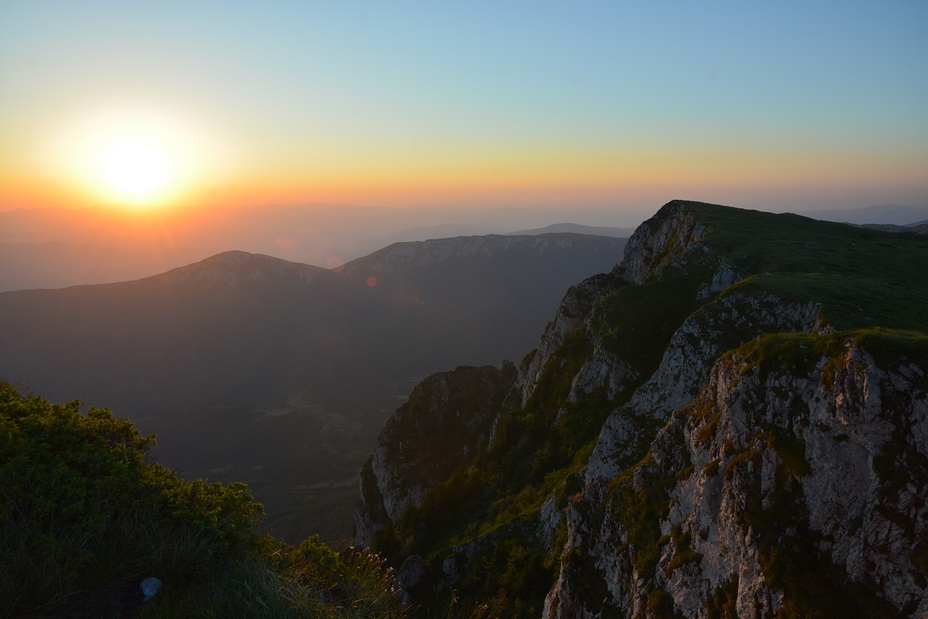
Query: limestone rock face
{"points": [[602, 370], [370, 515], [574, 311], [659, 241], [724, 324], [823, 463], [444, 423], [734, 450]]}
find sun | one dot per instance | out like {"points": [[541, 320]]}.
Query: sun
{"points": [[135, 169], [133, 155]]}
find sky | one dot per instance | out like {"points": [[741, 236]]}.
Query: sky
{"points": [[777, 106]]}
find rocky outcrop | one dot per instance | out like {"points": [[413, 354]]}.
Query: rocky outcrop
{"points": [[798, 488], [370, 515], [574, 311], [660, 241], [740, 451], [657, 243], [603, 370], [719, 326], [443, 425]]}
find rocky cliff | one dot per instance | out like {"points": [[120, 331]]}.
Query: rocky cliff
{"points": [[442, 426], [782, 489], [732, 423]]}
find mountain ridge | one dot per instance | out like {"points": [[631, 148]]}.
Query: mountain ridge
{"points": [[890, 214], [402, 256], [628, 479], [147, 242]]}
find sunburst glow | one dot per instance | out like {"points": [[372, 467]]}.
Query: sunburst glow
{"points": [[136, 170], [135, 158]]}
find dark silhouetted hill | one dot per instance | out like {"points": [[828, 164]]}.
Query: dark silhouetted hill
{"points": [[280, 374]]}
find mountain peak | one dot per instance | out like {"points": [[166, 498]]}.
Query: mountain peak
{"points": [[232, 267]]}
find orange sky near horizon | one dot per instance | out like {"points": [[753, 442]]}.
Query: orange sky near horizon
{"points": [[555, 176], [777, 108]]}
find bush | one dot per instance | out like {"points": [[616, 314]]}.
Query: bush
{"points": [[85, 516]]}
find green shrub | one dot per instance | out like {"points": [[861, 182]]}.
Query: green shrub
{"points": [[85, 516]]}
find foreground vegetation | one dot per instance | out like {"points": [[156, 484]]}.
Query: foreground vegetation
{"points": [[85, 517]]}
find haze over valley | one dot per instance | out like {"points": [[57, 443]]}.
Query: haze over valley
{"points": [[55, 247]]}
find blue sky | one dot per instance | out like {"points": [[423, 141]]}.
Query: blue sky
{"points": [[425, 102]]}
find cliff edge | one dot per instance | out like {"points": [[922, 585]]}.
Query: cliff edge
{"points": [[730, 423]]}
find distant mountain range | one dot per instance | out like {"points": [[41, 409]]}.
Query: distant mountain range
{"points": [[58, 265], [578, 229], [56, 247], [278, 373]]}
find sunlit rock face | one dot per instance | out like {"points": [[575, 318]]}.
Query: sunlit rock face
{"points": [[732, 319], [824, 466], [825, 461], [660, 241], [573, 313]]}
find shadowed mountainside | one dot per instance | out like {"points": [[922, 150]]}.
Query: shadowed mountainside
{"points": [[280, 374]]}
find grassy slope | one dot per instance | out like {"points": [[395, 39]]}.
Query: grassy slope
{"points": [[862, 278]]}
